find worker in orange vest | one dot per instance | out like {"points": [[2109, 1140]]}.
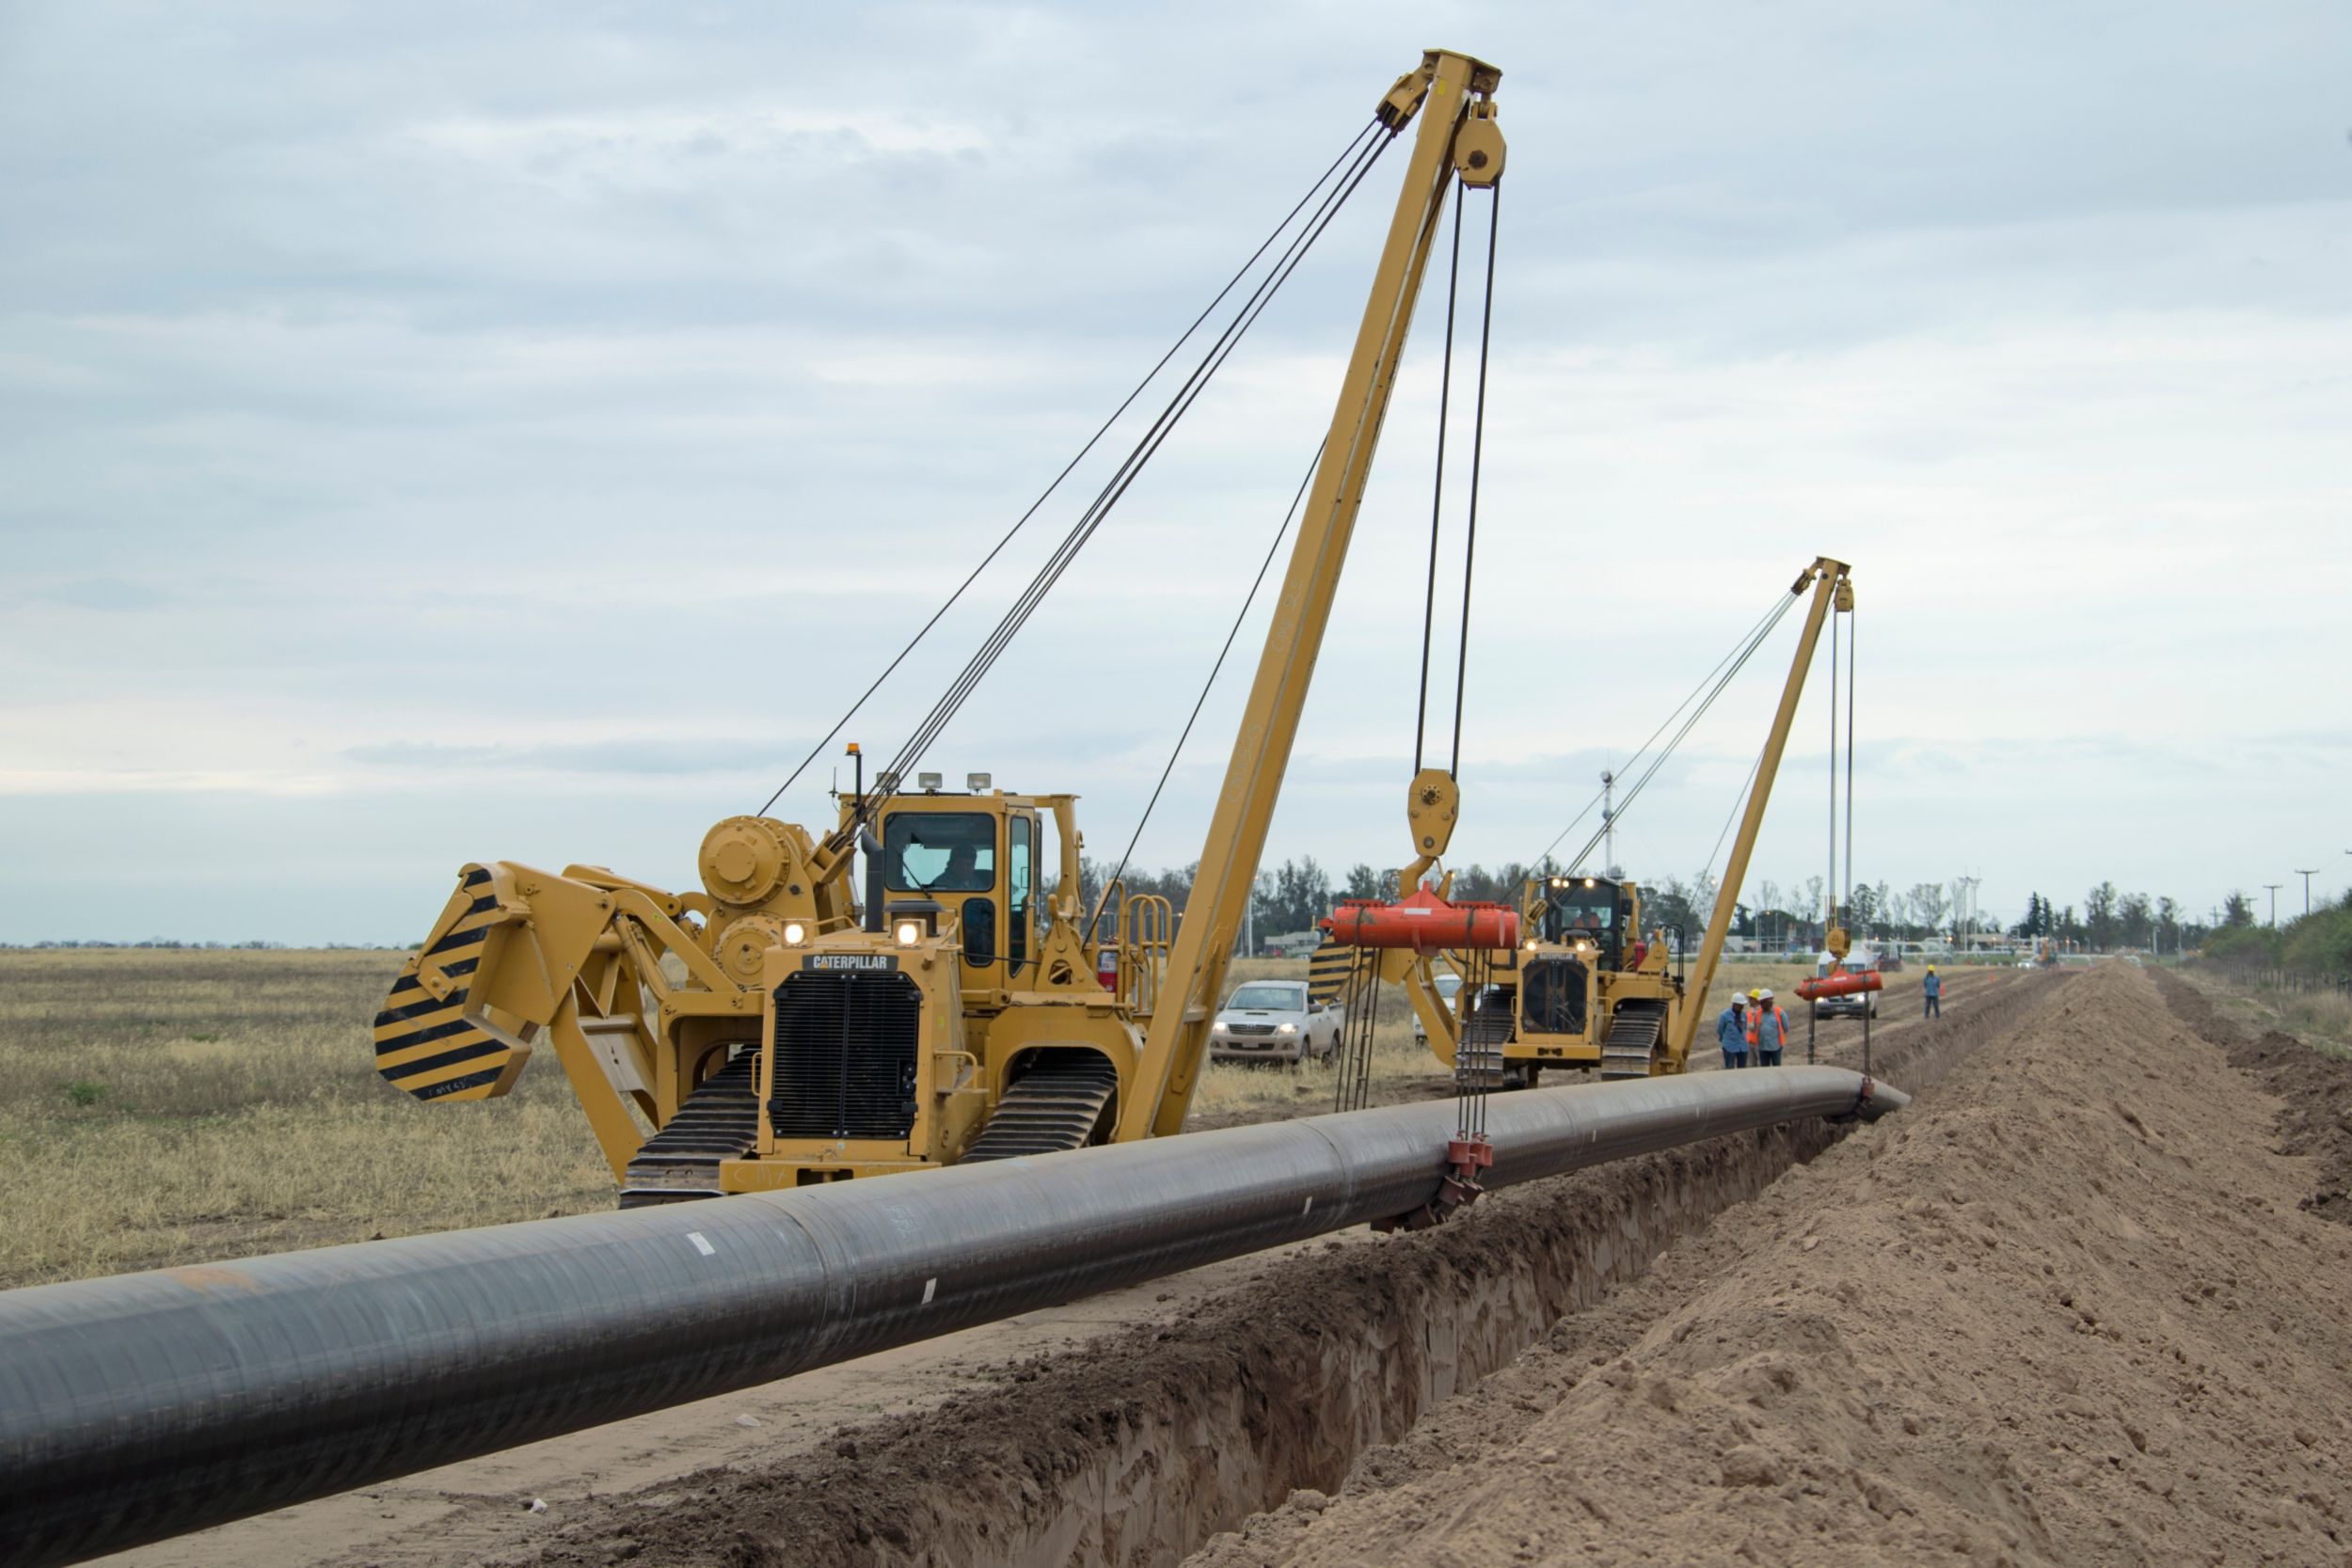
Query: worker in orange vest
{"points": [[1768, 1027]]}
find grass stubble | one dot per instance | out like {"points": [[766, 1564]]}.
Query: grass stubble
{"points": [[160, 1107]]}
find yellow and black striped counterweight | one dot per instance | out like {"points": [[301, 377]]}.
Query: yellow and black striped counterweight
{"points": [[424, 1042]]}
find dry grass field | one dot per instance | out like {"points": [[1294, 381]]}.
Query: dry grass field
{"points": [[161, 1107], [164, 1107]]}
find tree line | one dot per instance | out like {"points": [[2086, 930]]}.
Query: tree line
{"points": [[2317, 943], [1297, 895], [1294, 895]]}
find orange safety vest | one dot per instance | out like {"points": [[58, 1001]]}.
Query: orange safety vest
{"points": [[1756, 1015]]}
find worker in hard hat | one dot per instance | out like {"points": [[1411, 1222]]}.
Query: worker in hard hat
{"points": [[1768, 1027], [1932, 988], [1731, 1032]]}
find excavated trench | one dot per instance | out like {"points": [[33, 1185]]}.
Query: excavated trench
{"points": [[1134, 1450]]}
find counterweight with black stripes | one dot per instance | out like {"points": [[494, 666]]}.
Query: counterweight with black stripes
{"points": [[786, 1025]]}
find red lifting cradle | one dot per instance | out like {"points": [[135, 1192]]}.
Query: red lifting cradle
{"points": [[1846, 983], [1424, 922]]}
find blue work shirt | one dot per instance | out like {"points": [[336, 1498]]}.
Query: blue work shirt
{"points": [[1730, 1033], [1932, 985], [1768, 1026]]}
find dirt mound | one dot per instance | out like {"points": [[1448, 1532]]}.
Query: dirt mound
{"points": [[2314, 1091], [2067, 1309]]}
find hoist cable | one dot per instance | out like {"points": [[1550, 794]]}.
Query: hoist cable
{"points": [[1249, 599], [1478, 446], [1436, 500], [1083, 531], [1114, 489], [1850, 700], [1090, 518], [1697, 712], [1737, 801], [1832, 918], [1762, 624], [1355, 145]]}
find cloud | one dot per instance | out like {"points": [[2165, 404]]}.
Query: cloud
{"points": [[491, 427]]}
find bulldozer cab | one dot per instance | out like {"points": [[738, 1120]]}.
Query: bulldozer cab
{"points": [[967, 863], [1597, 912]]}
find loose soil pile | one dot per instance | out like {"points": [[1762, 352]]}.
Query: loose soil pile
{"points": [[2069, 1309]]}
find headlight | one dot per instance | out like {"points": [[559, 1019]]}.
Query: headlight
{"points": [[1217, 1029], [1584, 947], [907, 932], [1286, 1028], [795, 933]]}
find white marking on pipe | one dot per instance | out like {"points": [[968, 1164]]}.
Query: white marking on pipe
{"points": [[700, 1244], [1311, 1207], [930, 1288]]}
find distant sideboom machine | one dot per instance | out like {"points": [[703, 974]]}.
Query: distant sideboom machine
{"points": [[776, 1029], [1582, 986]]}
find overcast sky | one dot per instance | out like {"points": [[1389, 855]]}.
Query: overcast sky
{"points": [[441, 433]]}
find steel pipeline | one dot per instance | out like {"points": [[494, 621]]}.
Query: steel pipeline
{"points": [[141, 1406]]}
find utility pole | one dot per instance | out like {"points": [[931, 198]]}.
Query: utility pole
{"points": [[2274, 888], [1609, 821], [2307, 877]]}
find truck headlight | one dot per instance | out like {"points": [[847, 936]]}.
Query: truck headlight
{"points": [[1286, 1028], [907, 932], [1217, 1030], [795, 933]]}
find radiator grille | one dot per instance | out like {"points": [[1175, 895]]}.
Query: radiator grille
{"points": [[845, 1055], [1554, 993]]}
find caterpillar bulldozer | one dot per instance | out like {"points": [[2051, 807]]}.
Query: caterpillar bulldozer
{"points": [[1582, 985], [784, 1026]]}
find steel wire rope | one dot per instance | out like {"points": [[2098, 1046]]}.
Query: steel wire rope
{"points": [[1761, 624], [1737, 800], [1850, 720], [1232, 632], [1436, 500], [1355, 145], [1831, 919], [1478, 446], [1083, 531], [1696, 713]]}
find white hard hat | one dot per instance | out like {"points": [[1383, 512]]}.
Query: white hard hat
{"points": [[1765, 994]]}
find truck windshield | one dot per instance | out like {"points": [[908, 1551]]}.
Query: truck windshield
{"points": [[940, 851], [1278, 999]]}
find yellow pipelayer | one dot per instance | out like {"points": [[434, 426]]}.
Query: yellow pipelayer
{"points": [[774, 1030], [1575, 994]]}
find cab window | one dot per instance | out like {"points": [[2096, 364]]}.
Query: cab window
{"points": [[1019, 876], [940, 851], [1586, 911]]}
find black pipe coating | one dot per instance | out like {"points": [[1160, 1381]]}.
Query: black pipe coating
{"points": [[144, 1406]]}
